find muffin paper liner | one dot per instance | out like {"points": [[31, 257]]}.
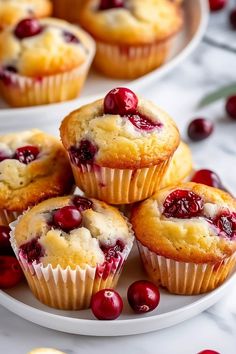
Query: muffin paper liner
{"points": [[20, 91], [117, 186], [6, 217], [67, 288], [128, 61], [185, 278]]}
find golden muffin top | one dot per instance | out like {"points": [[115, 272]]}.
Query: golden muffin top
{"points": [[133, 22], [12, 11], [38, 48], [72, 231], [119, 131], [188, 222], [180, 166], [33, 166]]}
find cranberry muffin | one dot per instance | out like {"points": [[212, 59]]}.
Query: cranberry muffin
{"points": [[43, 61], [70, 248], [119, 146], [33, 167], [133, 37], [12, 11], [187, 237]]}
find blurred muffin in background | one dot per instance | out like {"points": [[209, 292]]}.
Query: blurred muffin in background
{"points": [[133, 37], [12, 11], [68, 9]]}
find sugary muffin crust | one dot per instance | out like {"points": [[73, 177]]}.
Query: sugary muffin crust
{"points": [[199, 227], [11, 11], [56, 47], [134, 22], [101, 232], [41, 170], [116, 142]]}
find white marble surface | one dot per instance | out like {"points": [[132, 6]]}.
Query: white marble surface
{"points": [[179, 93]]}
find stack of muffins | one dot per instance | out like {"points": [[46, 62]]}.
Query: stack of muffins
{"points": [[45, 60], [122, 150]]}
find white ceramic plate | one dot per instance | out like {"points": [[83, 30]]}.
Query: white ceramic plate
{"points": [[172, 309], [196, 16]]}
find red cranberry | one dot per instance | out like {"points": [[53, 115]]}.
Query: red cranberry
{"points": [[232, 18], [208, 351], [5, 246], [28, 27], [32, 251], [26, 154], [10, 272], [231, 107], [106, 304], [67, 218], [110, 4], [226, 222], [143, 296], [84, 153], [200, 129], [207, 177], [216, 5], [82, 203], [182, 204], [144, 123], [70, 37], [120, 101]]}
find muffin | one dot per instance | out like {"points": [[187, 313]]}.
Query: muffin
{"points": [[180, 168], [12, 11], [33, 167], [187, 237], [119, 146], [133, 37], [43, 61], [68, 9], [71, 247]]}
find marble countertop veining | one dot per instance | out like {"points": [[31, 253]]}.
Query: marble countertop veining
{"points": [[209, 67]]}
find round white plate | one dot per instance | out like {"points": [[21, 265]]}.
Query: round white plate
{"points": [[172, 309], [196, 17]]}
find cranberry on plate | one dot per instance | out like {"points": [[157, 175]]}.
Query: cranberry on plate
{"points": [[231, 107], [216, 5], [200, 129], [208, 351], [106, 304], [143, 296], [232, 18], [207, 177], [10, 272]]}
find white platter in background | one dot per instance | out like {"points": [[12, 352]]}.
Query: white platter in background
{"points": [[172, 309], [47, 117]]}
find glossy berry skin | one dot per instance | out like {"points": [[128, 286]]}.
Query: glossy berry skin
{"points": [[182, 204], [143, 296], [216, 5], [106, 304], [67, 218], [208, 351], [120, 101], [10, 272], [28, 27], [200, 129], [110, 4], [5, 246], [231, 107], [144, 123], [82, 203], [26, 154], [232, 18], [208, 178]]}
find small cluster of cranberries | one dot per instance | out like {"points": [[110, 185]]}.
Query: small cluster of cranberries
{"points": [[216, 5], [24, 154], [143, 296]]}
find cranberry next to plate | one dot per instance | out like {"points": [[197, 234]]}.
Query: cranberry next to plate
{"points": [[28, 27], [208, 351], [231, 107], [120, 101], [200, 129], [106, 304], [143, 296], [5, 246], [10, 272], [232, 18], [67, 218], [216, 5], [208, 178]]}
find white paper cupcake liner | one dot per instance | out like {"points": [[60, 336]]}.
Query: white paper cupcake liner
{"points": [[185, 278]]}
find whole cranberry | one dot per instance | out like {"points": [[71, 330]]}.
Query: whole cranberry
{"points": [[110, 4], [208, 178], [232, 18], [200, 129], [143, 296], [231, 107], [5, 246], [67, 218], [216, 5], [208, 351], [28, 27], [10, 272], [26, 154], [120, 101], [106, 304]]}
